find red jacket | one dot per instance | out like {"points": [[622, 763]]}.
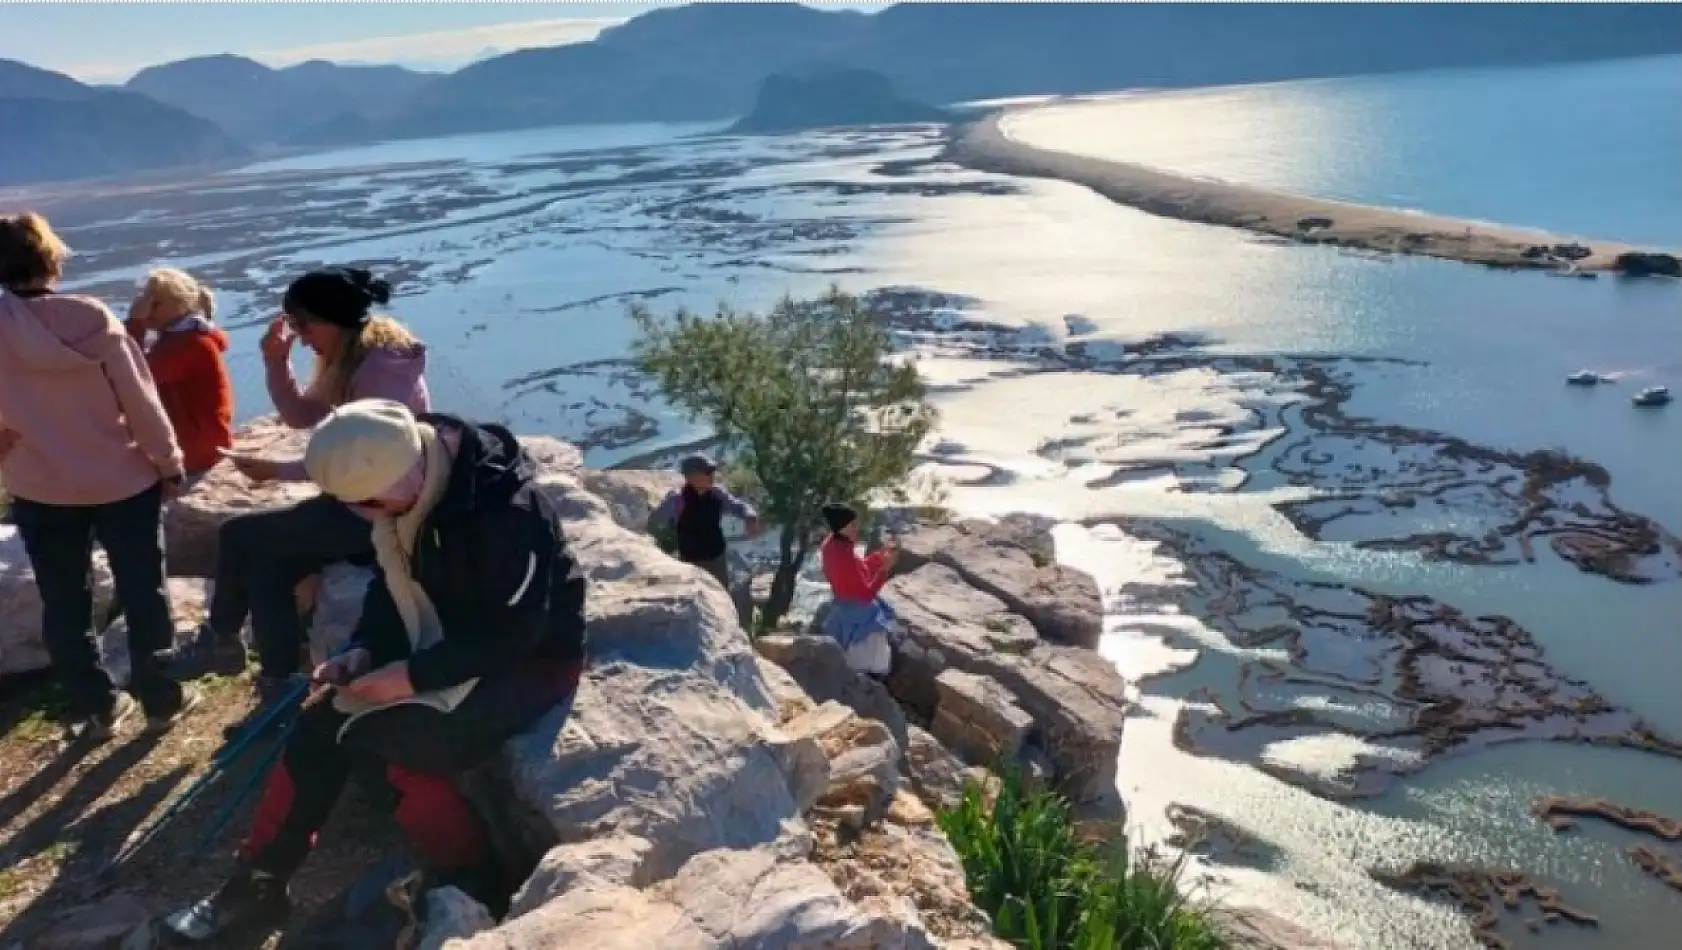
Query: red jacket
{"points": [[195, 389], [850, 576]]}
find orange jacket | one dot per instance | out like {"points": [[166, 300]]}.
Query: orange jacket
{"points": [[195, 389]]}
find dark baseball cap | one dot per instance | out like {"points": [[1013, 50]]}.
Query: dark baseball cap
{"points": [[696, 464]]}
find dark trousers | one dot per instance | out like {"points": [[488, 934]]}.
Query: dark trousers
{"points": [[718, 567], [261, 557], [407, 756], [59, 540]]}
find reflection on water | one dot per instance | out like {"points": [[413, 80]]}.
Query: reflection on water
{"points": [[1526, 147], [1494, 349]]}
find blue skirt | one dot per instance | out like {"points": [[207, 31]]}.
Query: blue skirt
{"points": [[850, 621]]}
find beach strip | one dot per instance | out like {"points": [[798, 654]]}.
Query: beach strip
{"points": [[986, 145]]}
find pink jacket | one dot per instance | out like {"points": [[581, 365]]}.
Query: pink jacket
{"points": [[79, 405]]}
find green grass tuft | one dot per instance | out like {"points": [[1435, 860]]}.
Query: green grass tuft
{"points": [[1047, 889]]}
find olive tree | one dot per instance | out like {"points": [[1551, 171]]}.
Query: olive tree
{"points": [[806, 399]]}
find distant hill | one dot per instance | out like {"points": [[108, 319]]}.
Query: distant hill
{"points": [[57, 129], [260, 105], [828, 96], [670, 64], [705, 61]]}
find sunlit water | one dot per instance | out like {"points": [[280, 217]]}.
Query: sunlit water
{"points": [[1590, 149], [546, 275]]}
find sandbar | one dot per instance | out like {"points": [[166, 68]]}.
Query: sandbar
{"points": [[985, 145]]}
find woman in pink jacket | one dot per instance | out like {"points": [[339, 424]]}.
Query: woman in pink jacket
{"points": [[86, 452], [261, 556]]}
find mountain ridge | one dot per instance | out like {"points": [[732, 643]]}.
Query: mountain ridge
{"points": [[710, 58], [264, 105], [58, 128], [707, 61]]}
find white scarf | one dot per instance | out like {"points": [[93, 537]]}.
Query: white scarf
{"points": [[394, 547]]}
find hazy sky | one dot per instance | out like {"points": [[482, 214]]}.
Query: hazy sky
{"points": [[108, 42]]}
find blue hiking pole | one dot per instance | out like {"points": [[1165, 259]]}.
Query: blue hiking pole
{"points": [[219, 763], [218, 768], [252, 779]]}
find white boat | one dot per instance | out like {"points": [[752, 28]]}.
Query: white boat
{"points": [[1583, 377], [1652, 396]]}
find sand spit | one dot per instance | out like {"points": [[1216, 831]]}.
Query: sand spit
{"points": [[986, 145]]}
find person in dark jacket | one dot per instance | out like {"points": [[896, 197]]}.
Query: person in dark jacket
{"points": [[694, 514], [261, 556], [472, 631]]}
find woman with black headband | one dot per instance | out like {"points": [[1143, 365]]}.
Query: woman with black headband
{"points": [[858, 619], [261, 557]]}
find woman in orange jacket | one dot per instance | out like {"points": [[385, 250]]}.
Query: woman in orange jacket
{"points": [[187, 363]]}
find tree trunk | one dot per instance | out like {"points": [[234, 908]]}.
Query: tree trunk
{"points": [[791, 556]]}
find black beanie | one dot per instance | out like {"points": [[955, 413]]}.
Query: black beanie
{"points": [[838, 516], [342, 296]]}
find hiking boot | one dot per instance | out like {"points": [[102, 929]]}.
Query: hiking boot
{"points": [[203, 652], [248, 900], [100, 727], [271, 691], [161, 721]]}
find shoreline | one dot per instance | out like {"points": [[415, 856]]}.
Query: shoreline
{"points": [[985, 145]]}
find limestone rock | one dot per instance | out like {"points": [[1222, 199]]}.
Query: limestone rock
{"points": [[1251, 928], [791, 700], [631, 495], [756, 899], [551, 454], [907, 867], [1009, 561], [978, 718], [937, 775], [863, 773], [820, 667], [191, 522], [751, 900], [452, 915], [1075, 697], [673, 734], [622, 861]]}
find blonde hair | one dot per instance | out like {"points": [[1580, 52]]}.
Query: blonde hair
{"points": [[31, 255], [330, 382], [180, 288]]}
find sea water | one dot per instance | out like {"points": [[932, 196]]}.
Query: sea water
{"points": [[523, 251], [1591, 149]]}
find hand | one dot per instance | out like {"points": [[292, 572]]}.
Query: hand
{"points": [[8, 440], [173, 487], [384, 686], [139, 316], [254, 467], [343, 668], [277, 342], [890, 554], [753, 527]]}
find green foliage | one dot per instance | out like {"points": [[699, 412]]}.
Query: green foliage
{"points": [[1047, 889], [805, 400]]}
